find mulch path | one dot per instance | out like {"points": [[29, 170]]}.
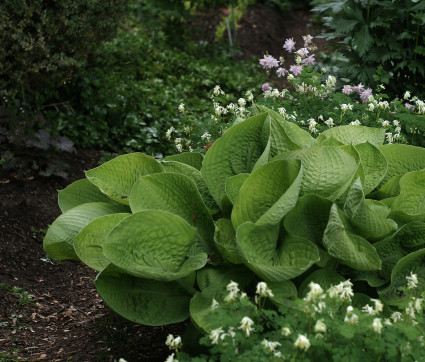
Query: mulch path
{"points": [[63, 318]]}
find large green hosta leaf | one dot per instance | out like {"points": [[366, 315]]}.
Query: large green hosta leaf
{"points": [[370, 222], [412, 263], [144, 301], [80, 192], [354, 135], [374, 165], [328, 171], [88, 242], [193, 159], [270, 261], [195, 176], [402, 159], [155, 245], [225, 240], [285, 136], [237, 151], [116, 177], [234, 184], [308, 219], [58, 242], [390, 189], [349, 248], [268, 194], [177, 194]]}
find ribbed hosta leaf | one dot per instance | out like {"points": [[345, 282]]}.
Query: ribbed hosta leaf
{"points": [[268, 194], [225, 240], [262, 255], [177, 194], [282, 291], [390, 189], [224, 273], [88, 242], [116, 177], [285, 136], [368, 219], [233, 185], [402, 159], [412, 263], [58, 242], [80, 192], [144, 301], [155, 245], [237, 151], [308, 219], [328, 171], [195, 176], [193, 159], [350, 249], [412, 194], [354, 135]]}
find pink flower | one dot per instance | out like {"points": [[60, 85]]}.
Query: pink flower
{"points": [[364, 96], [296, 69], [309, 60], [307, 39], [289, 45], [303, 52], [266, 87], [281, 72], [358, 88], [409, 106], [347, 89], [269, 62]]}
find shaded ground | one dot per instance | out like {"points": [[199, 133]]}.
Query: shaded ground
{"points": [[58, 315]]}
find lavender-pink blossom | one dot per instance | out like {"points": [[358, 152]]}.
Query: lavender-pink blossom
{"points": [[307, 39], [296, 69], [364, 96], [347, 89], [409, 106], [289, 45], [266, 87], [358, 88], [303, 52], [309, 60], [281, 72], [269, 62]]}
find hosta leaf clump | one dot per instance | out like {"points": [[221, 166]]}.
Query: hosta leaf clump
{"points": [[267, 202]]}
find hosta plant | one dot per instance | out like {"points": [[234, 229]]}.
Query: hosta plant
{"points": [[266, 202]]}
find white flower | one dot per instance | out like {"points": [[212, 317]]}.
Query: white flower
{"points": [[386, 123], [315, 291], [243, 296], [396, 316], [410, 311], [231, 107], [406, 95], [246, 325], [206, 135], [371, 107], [181, 108], [282, 111], [387, 322], [249, 96], [302, 342], [320, 307], [169, 132], [242, 102], [396, 123], [271, 346], [275, 93], [331, 81], [390, 139], [215, 335], [383, 105], [353, 319], [217, 91], [173, 343], [123, 360], [330, 122], [350, 309], [320, 326], [343, 290], [368, 309], [379, 307], [418, 304], [377, 325], [290, 77], [263, 290], [412, 281], [179, 148], [187, 129], [214, 304], [286, 331], [170, 358]]}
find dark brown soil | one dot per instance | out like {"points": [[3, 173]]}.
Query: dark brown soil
{"points": [[63, 318]]}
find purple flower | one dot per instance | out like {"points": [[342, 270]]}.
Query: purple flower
{"points": [[309, 60], [347, 89], [358, 88], [289, 45], [409, 106], [269, 62], [296, 69], [364, 96], [266, 87], [307, 39], [281, 72], [303, 52]]}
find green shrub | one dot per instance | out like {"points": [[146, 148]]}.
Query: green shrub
{"points": [[42, 40], [382, 42], [267, 202]]}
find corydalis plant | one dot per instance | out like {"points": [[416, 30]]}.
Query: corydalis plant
{"points": [[268, 201]]}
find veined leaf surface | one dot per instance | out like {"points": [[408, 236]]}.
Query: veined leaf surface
{"points": [[144, 301], [354, 135], [192, 159], [225, 239], [116, 177]]}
